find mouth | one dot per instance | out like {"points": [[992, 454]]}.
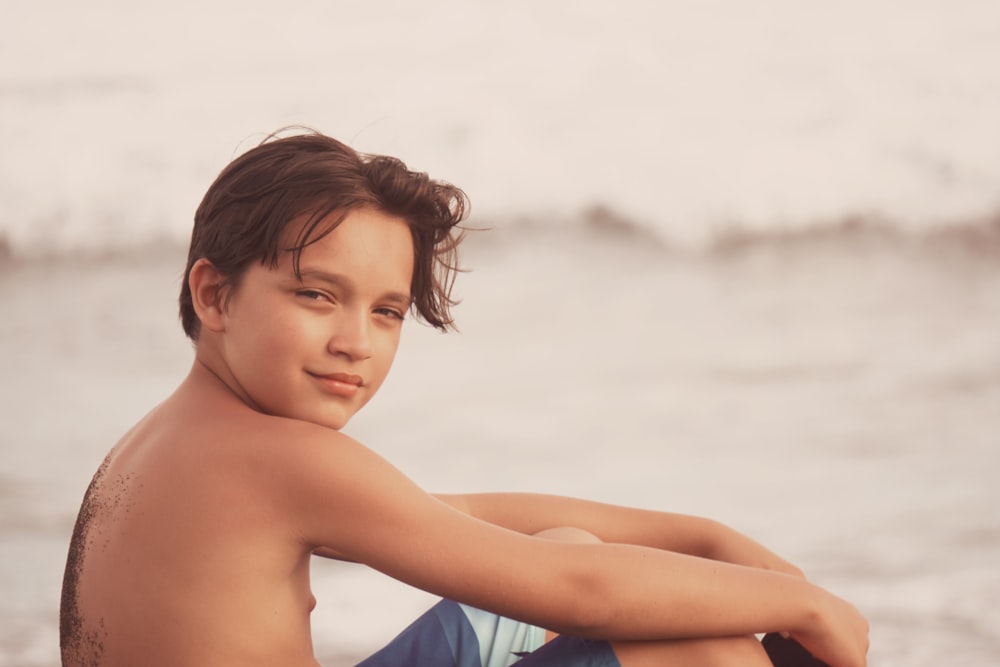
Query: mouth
{"points": [[339, 384]]}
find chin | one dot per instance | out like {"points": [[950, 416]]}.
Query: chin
{"points": [[332, 414], [334, 421], [328, 422]]}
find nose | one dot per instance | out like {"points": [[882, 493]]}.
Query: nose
{"points": [[351, 336]]}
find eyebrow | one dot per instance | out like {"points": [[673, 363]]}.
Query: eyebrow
{"points": [[337, 280]]}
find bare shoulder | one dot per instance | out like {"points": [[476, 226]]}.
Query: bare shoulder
{"points": [[314, 483], [327, 483], [311, 487], [174, 515], [344, 496]]}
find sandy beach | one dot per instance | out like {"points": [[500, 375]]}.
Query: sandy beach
{"points": [[837, 402]]}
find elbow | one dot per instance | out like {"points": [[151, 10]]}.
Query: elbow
{"points": [[711, 537], [588, 605]]}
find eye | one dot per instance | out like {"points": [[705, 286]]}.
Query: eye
{"points": [[390, 312], [312, 295]]}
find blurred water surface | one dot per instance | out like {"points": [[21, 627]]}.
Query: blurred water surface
{"points": [[839, 405], [744, 264]]}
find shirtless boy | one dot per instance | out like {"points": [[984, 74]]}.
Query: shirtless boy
{"points": [[194, 539]]}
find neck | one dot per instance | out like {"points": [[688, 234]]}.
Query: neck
{"points": [[210, 370]]}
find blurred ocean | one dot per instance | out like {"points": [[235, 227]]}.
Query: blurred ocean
{"points": [[744, 263], [686, 117]]}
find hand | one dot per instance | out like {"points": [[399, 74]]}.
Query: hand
{"points": [[837, 634], [731, 546]]}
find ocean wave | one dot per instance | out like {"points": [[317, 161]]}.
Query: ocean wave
{"points": [[972, 237], [603, 224], [977, 237]]}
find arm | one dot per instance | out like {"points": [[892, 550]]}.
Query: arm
{"points": [[338, 494], [695, 536]]}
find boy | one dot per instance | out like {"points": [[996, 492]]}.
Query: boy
{"points": [[193, 542]]}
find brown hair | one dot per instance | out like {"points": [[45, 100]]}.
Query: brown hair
{"points": [[245, 213]]}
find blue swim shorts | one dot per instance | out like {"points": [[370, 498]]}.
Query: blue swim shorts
{"points": [[455, 635]]}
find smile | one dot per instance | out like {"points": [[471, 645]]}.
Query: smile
{"points": [[339, 384]]}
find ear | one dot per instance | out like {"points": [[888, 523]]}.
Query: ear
{"points": [[208, 295]]}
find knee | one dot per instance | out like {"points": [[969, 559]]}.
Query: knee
{"points": [[744, 651], [716, 652], [568, 534], [740, 651]]}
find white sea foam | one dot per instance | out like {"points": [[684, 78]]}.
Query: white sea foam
{"points": [[684, 117]]}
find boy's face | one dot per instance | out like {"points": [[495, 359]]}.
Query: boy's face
{"points": [[318, 349]]}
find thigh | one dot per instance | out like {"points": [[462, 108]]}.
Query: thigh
{"points": [[566, 651], [708, 652], [441, 637], [455, 635]]}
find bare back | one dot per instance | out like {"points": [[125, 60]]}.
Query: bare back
{"points": [[177, 558]]}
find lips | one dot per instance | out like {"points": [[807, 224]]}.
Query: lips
{"points": [[339, 384]]}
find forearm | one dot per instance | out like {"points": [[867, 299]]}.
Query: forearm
{"points": [[618, 590], [696, 536], [530, 513], [638, 594]]}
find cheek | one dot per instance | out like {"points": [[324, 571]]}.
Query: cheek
{"points": [[389, 343], [283, 323], [269, 336], [386, 353]]}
